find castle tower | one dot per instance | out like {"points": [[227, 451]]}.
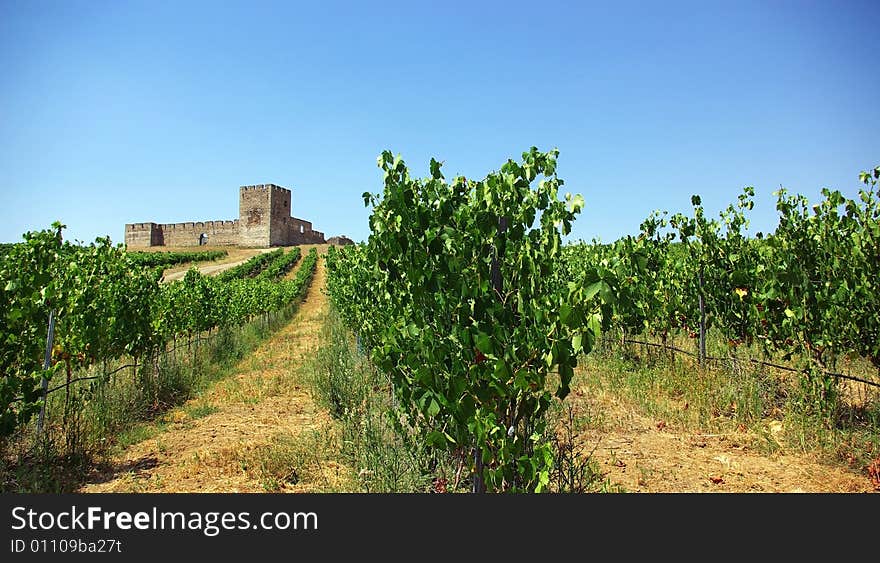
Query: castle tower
{"points": [[264, 210], [279, 216]]}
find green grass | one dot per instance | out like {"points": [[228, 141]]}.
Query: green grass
{"points": [[290, 460], [99, 420], [136, 434], [200, 410], [357, 395], [739, 395]]}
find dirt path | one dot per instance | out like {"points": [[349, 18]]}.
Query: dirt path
{"points": [[210, 268], [645, 455], [232, 448], [304, 249]]}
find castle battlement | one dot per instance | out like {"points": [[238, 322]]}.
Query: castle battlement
{"points": [[185, 225], [264, 220], [263, 187], [139, 226]]}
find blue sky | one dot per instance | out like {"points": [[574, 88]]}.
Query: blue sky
{"points": [[116, 112]]}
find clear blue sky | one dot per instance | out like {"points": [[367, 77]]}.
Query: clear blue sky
{"points": [[116, 112]]}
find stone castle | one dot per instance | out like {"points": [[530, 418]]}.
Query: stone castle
{"points": [[263, 220]]}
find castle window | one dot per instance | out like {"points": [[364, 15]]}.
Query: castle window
{"points": [[203, 239], [301, 229]]}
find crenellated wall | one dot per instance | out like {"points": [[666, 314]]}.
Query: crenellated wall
{"points": [[191, 233], [143, 234], [264, 220], [217, 233]]}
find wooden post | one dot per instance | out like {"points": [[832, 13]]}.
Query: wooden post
{"points": [[702, 356], [479, 486], [47, 359]]}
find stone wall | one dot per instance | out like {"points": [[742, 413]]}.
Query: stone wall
{"points": [[341, 240], [300, 231], [253, 216], [143, 235], [192, 233], [216, 233]]}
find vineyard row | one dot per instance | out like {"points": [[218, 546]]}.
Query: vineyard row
{"points": [[105, 305]]}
